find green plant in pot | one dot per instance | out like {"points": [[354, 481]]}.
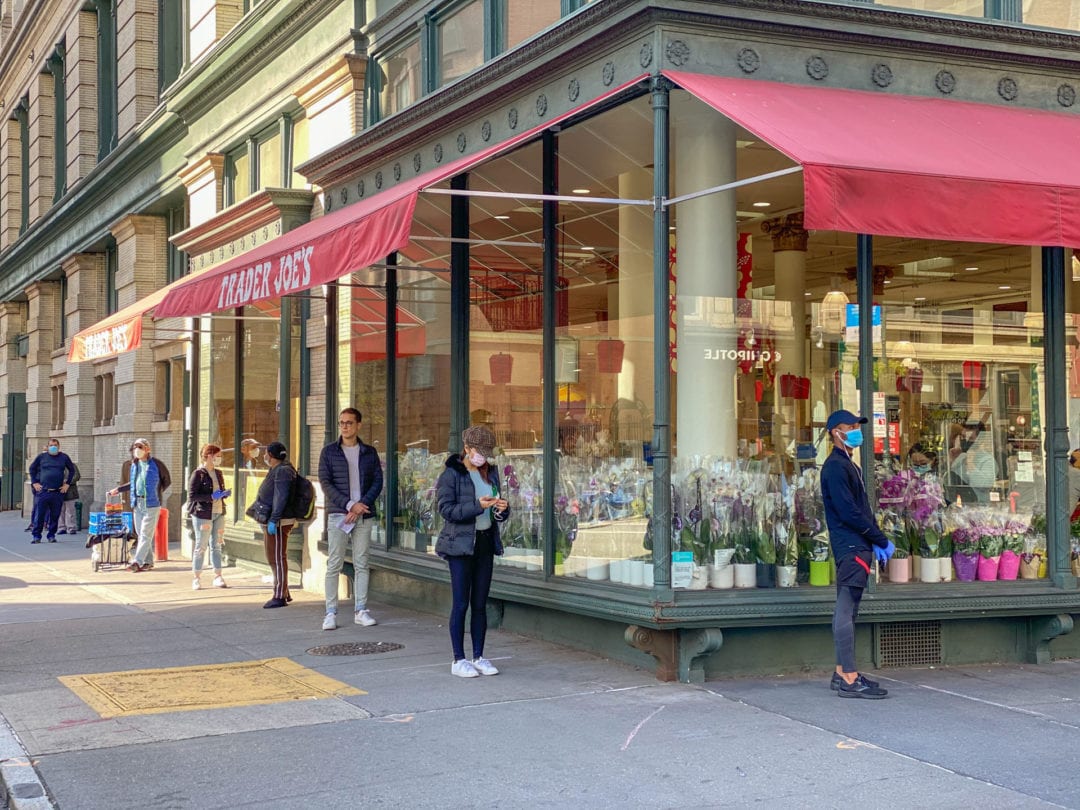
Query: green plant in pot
{"points": [[765, 551]]}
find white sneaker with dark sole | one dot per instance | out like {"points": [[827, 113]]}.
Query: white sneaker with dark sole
{"points": [[330, 622], [464, 669], [364, 618]]}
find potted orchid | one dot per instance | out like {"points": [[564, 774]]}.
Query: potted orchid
{"points": [[991, 543], [965, 542], [1034, 547], [1012, 548]]}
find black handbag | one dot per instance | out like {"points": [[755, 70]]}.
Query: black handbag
{"points": [[259, 512]]}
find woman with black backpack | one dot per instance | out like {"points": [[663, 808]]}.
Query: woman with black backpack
{"points": [[270, 508], [206, 505]]}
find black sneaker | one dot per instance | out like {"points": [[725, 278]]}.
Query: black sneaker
{"points": [[275, 603], [860, 688], [836, 680], [35, 540]]}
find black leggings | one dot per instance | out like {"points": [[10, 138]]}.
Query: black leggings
{"points": [[843, 625], [470, 581]]}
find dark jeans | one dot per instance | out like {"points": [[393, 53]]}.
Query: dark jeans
{"points": [[47, 506], [470, 579], [843, 625]]}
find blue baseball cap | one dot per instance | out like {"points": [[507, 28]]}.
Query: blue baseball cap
{"points": [[842, 417]]}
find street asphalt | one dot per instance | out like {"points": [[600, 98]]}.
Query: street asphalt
{"points": [[557, 727]]}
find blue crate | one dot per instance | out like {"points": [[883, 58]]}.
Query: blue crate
{"points": [[111, 523]]}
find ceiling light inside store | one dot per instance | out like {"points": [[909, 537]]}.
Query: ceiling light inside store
{"points": [[1004, 287], [502, 216], [971, 268], [582, 191], [808, 294], [762, 205], [887, 281], [920, 298]]}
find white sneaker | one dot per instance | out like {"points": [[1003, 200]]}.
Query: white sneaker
{"points": [[219, 582], [464, 669], [364, 617], [330, 622], [484, 667], [196, 585]]}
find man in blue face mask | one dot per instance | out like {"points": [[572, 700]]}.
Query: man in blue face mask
{"points": [[856, 540]]}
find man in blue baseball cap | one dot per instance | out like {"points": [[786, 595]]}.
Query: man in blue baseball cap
{"points": [[856, 540]]}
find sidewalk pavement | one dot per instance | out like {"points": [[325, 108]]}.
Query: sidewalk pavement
{"points": [[557, 727]]}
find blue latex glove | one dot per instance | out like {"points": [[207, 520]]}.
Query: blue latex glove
{"points": [[271, 527], [217, 494], [890, 549], [880, 555], [226, 493]]}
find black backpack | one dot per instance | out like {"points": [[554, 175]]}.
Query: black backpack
{"points": [[301, 504]]}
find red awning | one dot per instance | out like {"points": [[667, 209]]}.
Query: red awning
{"points": [[331, 246], [120, 332], [928, 168]]}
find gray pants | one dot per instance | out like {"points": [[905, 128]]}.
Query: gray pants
{"points": [[338, 541], [843, 625]]}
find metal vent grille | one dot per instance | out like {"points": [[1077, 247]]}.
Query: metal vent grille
{"points": [[909, 644], [357, 648]]}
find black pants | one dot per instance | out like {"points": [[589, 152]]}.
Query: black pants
{"points": [[843, 625]]}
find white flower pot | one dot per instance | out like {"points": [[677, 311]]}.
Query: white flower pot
{"points": [[745, 575], [945, 564], [636, 576], [615, 571], [785, 575], [648, 579], [597, 568], [699, 580], [723, 556], [722, 576], [929, 569]]}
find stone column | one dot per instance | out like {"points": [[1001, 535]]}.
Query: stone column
{"points": [[333, 100], [789, 239], [12, 372], [136, 63], [707, 282], [43, 329], [81, 87], [84, 307], [630, 319], [41, 131], [10, 182], [205, 183]]}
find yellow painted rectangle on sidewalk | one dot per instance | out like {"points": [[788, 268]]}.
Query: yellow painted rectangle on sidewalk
{"points": [[213, 686]]}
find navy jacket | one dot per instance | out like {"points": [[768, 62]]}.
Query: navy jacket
{"points": [[459, 507], [52, 472], [275, 490], [334, 477], [851, 522], [201, 490]]}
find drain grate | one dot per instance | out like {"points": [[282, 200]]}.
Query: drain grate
{"points": [[909, 644], [357, 648]]}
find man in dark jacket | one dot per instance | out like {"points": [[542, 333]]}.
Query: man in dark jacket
{"points": [[51, 473], [351, 477], [856, 540]]}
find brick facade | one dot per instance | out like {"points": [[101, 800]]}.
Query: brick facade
{"points": [[10, 182], [42, 136], [81, 85], [136, 69]]}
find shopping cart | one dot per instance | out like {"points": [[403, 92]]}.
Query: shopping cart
{"points": [[110, 534]]}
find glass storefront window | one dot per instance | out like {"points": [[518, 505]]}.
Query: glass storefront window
{"points": [[401, 79], [461, 42], [362, 357], [217, 385], [527, 17], [604, 350], [423, 369]]}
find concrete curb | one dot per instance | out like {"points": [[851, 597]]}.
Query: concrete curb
{"points": [[20, 786]]}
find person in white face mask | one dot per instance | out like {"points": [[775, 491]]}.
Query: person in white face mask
{"points": [[206, 505], [147, 485], [473, 507]]}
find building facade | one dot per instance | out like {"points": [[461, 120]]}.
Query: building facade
{"points": [[635, 239]]}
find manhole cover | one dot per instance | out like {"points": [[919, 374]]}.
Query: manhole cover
{"points": [[357, 648]]}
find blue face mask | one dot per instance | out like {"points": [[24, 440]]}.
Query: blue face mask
{"points": [[54, 450], [921, 469], [852, 438]]}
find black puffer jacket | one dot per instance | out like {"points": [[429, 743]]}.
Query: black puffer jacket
{"points": [[459, 507], [275, 490]]}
